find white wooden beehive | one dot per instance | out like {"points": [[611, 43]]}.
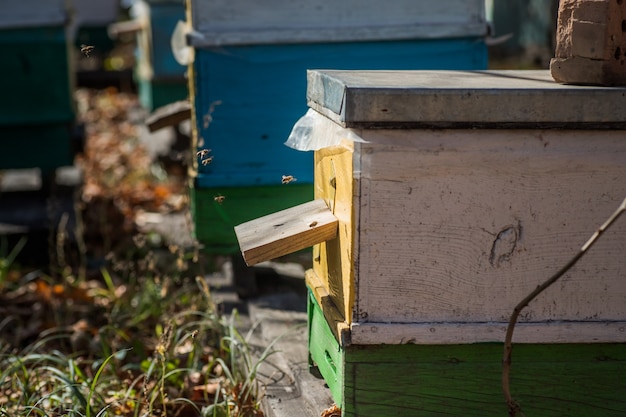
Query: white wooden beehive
{"points": [[456, 193]]}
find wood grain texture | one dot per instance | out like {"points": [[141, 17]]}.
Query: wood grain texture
{"points": [[334, 317], [373, 333], [286, 231], [333, 261], [453, 380], [458, 226]]}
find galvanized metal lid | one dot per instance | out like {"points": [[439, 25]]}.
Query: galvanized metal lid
{"points": [[34, 13], [462, 99], [249, 22]]}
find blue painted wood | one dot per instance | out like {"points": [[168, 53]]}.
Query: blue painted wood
{"points": [[262, 91], [165, 81], [163, 19]]}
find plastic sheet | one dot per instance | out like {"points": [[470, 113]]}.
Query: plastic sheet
{"points": [[313, 132]]}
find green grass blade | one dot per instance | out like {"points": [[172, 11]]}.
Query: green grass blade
{"points": [[96, 377]]}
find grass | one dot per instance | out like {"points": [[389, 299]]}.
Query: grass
{"points": [[139, 335], [133, 344]]}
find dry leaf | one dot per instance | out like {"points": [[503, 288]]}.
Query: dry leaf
{"points": [[332, 411]]}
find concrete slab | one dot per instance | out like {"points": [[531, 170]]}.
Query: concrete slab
{"points": [[290, 388]]}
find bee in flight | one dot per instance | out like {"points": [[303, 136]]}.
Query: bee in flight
{"points": [[288, 178], [219, 199], [202, 153], [207, 161], [86, 49]]}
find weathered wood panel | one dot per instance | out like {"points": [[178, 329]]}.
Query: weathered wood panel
{"points": [[458, 226], [286, 231], [333, 261], [434, 333], [453, 380]]}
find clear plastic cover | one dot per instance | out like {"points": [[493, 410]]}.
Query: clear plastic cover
{"points": [[313, 132]]}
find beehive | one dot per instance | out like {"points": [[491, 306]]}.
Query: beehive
{"points": [[160, 78], [456, 194], [248, 83], [36, 106]]}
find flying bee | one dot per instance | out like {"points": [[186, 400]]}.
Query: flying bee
{"points": [[219, 199], [86, 49], [288, 178], [207, 161], [202, 153]]}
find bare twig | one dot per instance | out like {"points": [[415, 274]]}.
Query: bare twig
{"points": [[514, 408]]}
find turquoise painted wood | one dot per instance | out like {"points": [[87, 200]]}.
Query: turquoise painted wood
{"points": [[465, 380], [262, 90], [163, 18], [35, 76], [160, 78], [36, 104]]}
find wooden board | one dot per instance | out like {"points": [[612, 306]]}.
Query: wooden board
{"points": [[458, 226], [169, 115], [286, 231], [453, 380], [333, 261]]}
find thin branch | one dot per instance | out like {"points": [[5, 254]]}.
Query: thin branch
{"points": [[514, 408]]}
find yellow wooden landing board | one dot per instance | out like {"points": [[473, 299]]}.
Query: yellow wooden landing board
{"points": [[286, 231]]}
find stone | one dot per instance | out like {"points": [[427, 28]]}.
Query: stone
{"points": [[590, 43]]}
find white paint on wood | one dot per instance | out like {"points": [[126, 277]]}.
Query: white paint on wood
{"points": [[461, 333], [229, 22], [460, 225]]}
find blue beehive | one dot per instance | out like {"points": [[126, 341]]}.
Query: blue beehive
{"points": [[160, 79], [248, 80]]}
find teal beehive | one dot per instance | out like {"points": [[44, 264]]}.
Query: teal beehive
{"points": [[36, 107], [160, 79]]}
